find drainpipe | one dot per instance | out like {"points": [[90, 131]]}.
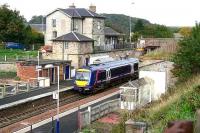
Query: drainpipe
{"points": [[63, 51]]}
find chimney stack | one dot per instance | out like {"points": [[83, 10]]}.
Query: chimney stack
{"points": [[92, 8], [72, 6]]}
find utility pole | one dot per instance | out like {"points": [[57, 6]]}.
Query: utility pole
{"points": [[130, 25]]}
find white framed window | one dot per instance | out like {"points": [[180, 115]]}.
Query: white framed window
{"points": [[54, 34], [98, 25], [53, 22], [66, 45]]}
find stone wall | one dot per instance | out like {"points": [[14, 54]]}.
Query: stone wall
{"points": [[90, 27], [63, 26], [74, 52], [6, 67], [98, 32], [94, 28]]}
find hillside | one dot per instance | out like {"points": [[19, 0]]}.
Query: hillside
{"points": [[120, 22], [180, 103]]}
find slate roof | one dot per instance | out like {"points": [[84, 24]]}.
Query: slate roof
{"points": [[43, 62], [73, 37], [110, 32], [79, 13]]}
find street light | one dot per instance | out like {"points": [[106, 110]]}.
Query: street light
{"points": [[130, 24]]}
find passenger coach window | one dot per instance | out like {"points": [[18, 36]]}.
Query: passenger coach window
{"points": [[102, 75], [120, 70]]}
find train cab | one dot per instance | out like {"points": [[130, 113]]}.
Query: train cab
{"points": [[82, 79]]}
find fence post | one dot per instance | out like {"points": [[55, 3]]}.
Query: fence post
{"points": [[52, 125], [197, 126], [28, 87], [31, 128], [5, 58], [89, 111], [17, 57], [4, 90]]}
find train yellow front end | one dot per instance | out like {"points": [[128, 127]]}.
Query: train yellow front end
{"points": [[82, 79]]}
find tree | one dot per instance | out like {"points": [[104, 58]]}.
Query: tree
{"points": [[139, 26], [135, 36], [37, 20], [187, 59], [185, 31], [156, 31], [33, 37], [11, 25], [13, 28]]}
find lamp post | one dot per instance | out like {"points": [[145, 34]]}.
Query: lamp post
{"points": [[58, 99], [43, 24], [130, 25], [38, 72]]}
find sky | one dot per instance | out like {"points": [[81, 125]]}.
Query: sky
{"points": [[166, 12]]}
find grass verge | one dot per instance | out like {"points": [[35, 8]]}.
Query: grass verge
{"points": [[7, 75], [13, 54], [158, 55], [180, 103]]}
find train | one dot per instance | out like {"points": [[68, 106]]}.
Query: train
{"points": [[99, 76]]}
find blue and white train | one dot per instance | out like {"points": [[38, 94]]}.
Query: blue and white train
{"points": [[99, 76]]}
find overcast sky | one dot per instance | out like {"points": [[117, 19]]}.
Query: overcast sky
{"points": [[167, 12]]}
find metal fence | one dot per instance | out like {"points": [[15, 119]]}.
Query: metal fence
{"points": [[94, 113], [21, 87], [6, 58], [112, 47]]}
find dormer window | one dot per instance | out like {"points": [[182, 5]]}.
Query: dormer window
{"points": [[53, 22]]}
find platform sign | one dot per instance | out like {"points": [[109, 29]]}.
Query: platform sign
{"points": [[55, 95]]}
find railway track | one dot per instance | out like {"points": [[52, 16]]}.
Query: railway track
{"points": [[27, 110]]}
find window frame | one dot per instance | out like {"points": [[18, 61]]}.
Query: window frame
{"points": [[54, 34], [66, 45], [53, 22]]}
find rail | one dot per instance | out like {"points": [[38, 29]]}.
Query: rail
{"points": [[37, 108]]}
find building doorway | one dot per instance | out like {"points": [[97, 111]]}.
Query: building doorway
{"points": [[67, 72]]}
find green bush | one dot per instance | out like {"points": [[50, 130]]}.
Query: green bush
{"points": [[187, 59], [7, 75], [180, 104]]}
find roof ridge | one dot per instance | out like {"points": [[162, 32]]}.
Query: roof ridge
{"points": [[75, 35], [89, 12], [77, 12]]}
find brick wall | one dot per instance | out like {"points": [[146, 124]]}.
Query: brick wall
{"points": [[25, 73]]}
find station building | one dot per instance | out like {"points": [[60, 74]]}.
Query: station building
{"points": [[28, 70]]}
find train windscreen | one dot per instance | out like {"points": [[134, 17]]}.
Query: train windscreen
{"points": [[83, 76]]}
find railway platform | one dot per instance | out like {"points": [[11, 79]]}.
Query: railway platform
{"points": [[34, 95], [70, 119]]}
